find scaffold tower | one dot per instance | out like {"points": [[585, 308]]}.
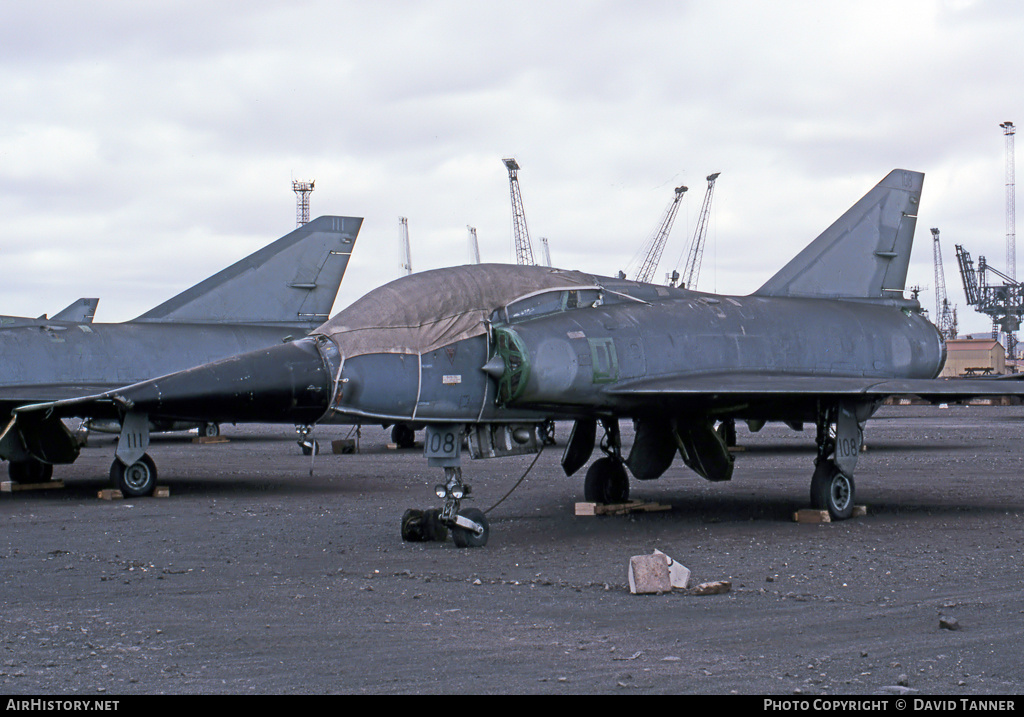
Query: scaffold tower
{"points": [[302, 191]]}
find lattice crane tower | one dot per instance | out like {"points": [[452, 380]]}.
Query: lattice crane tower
{"points": [[656, 244], [302, 191], [691, 272], [524, 250], [945, 317]]}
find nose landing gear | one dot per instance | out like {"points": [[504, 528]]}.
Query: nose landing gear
{"points": [[469, 527]]}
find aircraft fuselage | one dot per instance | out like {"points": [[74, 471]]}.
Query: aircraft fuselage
{"points": [[46, 360], [570, 361]]}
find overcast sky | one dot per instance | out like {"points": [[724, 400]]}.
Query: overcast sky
{"points": [[147, 145]]}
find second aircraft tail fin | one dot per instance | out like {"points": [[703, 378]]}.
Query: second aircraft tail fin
{"points": [[293, 281], [865, 254], [82, 311]]}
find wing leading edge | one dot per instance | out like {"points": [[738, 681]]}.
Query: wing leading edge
{"points": [[714, 387]]}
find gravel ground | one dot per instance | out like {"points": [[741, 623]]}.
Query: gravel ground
{"points": [[255, 577]]}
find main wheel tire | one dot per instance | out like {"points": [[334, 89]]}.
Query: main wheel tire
{"points": [[832, 490], [606, 482], [136, 480], [30, 471], [209, 430], [403, 436], [464, 538]]}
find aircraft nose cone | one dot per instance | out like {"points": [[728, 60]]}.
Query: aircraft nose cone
{"points": [[495, 367]]}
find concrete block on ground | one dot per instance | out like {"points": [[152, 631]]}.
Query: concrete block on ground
{"points": [[649, 574]]}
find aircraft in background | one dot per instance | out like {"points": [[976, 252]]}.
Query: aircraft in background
{"points": [[276, 294], [81, 311], [493, 351]]}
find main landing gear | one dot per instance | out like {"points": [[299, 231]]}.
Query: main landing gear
{"points": [[30, 471], [468, 526], [135, 480], [133, 472], [607, 480], [832, 490], [403, 435], [839, 438]]}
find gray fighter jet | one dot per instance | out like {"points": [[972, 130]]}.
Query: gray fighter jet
{"points": [[276, 294], [494, 351], [81, 311]]}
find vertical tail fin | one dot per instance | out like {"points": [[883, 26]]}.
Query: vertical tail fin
{"points": [[82, 311], [865, 253], [293, 281]]}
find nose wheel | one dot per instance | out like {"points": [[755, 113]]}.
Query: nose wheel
{"points": [[306, 442], [468, 527], [471, 529]]}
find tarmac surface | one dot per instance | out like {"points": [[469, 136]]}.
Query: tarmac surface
{"points": [[253, 577]]}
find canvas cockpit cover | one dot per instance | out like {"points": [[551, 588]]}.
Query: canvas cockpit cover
{"points": [[428, 310]]}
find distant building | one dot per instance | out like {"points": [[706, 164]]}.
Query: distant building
{"points": [[974, 357]]}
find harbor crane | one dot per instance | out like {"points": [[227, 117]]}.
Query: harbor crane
{"points": [[403, 243], [1003, 303], [691, 272], [656, 243], [524, 250], [945, 317]]}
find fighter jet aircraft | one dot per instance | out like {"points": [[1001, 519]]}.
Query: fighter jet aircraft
{"points": [[81, 311], [493, 351], [277, 293]]}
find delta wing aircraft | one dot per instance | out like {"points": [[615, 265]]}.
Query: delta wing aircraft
{"points": [[81, 311], [278, 293], [493, 351]]}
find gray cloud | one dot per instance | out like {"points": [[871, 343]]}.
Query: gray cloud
{"points": [[146, 145]]}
